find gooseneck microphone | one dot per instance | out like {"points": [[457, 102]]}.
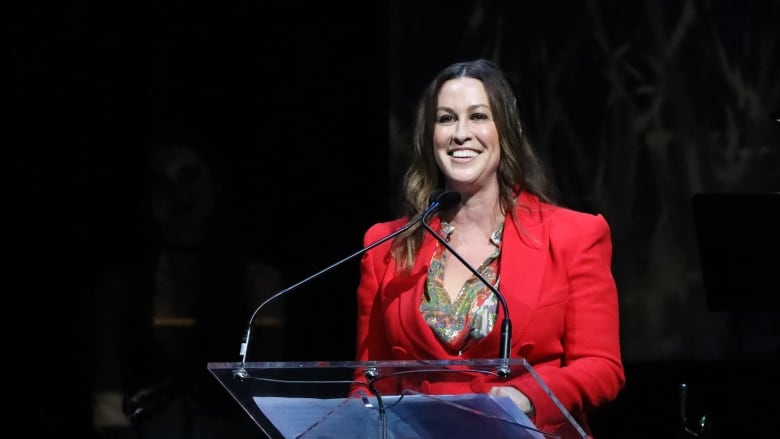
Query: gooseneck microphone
{"points": [[439, 200], [506, 325]]}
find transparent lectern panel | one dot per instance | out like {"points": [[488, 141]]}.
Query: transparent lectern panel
{"points": [[383, 399]]}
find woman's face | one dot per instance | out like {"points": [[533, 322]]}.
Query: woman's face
{"points": [[465, 138], [182, 193]]}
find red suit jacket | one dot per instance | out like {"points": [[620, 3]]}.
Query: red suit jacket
{"points": [[555, 274]]}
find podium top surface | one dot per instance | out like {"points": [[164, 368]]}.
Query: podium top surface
{"points": [[304, 399]]}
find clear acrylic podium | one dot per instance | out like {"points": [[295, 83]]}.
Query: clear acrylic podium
{"points": [[343, 400]]}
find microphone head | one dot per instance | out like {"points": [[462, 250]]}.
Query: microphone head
{"points": [[435, 195], [448, 200]]}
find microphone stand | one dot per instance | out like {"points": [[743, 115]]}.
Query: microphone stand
{"points": [[439, 199], [506, 325]]}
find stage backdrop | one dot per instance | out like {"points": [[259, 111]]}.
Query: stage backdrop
{"points": [[636, 106]]}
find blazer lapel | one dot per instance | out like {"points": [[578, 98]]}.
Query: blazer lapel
{"points": [[422, 339], [524, 244]]}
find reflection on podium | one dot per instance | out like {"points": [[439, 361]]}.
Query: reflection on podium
{"points": [[326, 400]]}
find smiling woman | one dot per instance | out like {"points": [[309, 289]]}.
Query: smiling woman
{"points": [[419, 299]]}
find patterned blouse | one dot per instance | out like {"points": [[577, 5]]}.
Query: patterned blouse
{"points": [[471, 317]]}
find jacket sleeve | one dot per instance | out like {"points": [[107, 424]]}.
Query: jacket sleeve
{"points": [[371, 340], [591, 372]]}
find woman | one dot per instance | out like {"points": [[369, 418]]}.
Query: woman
{"points": [[180, 302], [552, 264]]}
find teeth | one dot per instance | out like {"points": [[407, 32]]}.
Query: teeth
{"points": [[464, 153]]}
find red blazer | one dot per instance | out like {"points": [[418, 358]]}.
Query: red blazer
{"points": [[555, 274]]}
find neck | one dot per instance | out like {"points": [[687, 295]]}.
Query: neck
{"points": [[170, 247], [477, 213]]}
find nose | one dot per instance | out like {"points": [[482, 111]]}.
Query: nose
{"points": [[461, 134]]}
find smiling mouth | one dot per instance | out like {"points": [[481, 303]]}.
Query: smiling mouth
{"points": [[463, 153]]}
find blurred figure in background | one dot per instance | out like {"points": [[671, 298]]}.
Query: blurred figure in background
{"points": [[183, 299]]}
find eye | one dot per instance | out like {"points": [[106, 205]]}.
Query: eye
{"points": [[190, 174], [159, 182], [445, 118], [480, 116]]}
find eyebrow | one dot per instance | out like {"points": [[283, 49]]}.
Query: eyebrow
{"points": [[470, 108]]}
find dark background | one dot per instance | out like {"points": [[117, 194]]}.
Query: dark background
{"points": [[637, 106]]}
